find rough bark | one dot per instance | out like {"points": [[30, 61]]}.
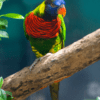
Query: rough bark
{"points": [[67, 61]]}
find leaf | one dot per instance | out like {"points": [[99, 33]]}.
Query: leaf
{"points": [[1, 81], [98, 98], [2, 27], [3, 94], [3, 23], [9, 93], [1, 3], [13, 15], [10, 98], [1, 98], [4, 34], [2, 0]]}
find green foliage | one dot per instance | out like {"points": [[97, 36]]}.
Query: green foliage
{"points": [[13, 15], [1, 3], [3, 25], [3, 94], [10, 95], [4, 34], [1, 98], [98, 98], [1, 81], [4, 22]]}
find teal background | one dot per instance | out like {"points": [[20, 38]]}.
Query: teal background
{"points": [[82, 18]]}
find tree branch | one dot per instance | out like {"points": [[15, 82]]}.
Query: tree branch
{"points": [[67, 61]]}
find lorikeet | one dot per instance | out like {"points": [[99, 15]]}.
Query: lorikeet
{"points": [[45, 29]]}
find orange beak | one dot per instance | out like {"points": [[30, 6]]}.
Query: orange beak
{"points": [[62, 11]]}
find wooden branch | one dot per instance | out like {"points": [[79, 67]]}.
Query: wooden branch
{"points": [[67, 61]]}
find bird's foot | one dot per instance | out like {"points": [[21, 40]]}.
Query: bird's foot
{"points": [[35, 62], [61, 79]]}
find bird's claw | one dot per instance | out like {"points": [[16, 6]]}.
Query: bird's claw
{"points": [[35, 62]]}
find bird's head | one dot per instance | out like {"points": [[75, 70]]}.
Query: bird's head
{"points": [[55, 7]]}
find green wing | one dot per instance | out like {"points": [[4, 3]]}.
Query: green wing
{"points": [[62, 30]]}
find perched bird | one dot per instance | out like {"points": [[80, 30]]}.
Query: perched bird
{"points": [[45, 29]]}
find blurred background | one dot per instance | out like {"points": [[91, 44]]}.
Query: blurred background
{"points": [[82, 18]]}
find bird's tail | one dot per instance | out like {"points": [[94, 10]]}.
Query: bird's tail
{"points": [[54, 90]]}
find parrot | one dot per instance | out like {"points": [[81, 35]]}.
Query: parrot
{"points": [[45, 29]]}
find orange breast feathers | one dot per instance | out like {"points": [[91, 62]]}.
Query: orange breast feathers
{"points": [[39, 28]]}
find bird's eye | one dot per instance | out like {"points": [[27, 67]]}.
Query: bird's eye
{"points": [[52, 5]]}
